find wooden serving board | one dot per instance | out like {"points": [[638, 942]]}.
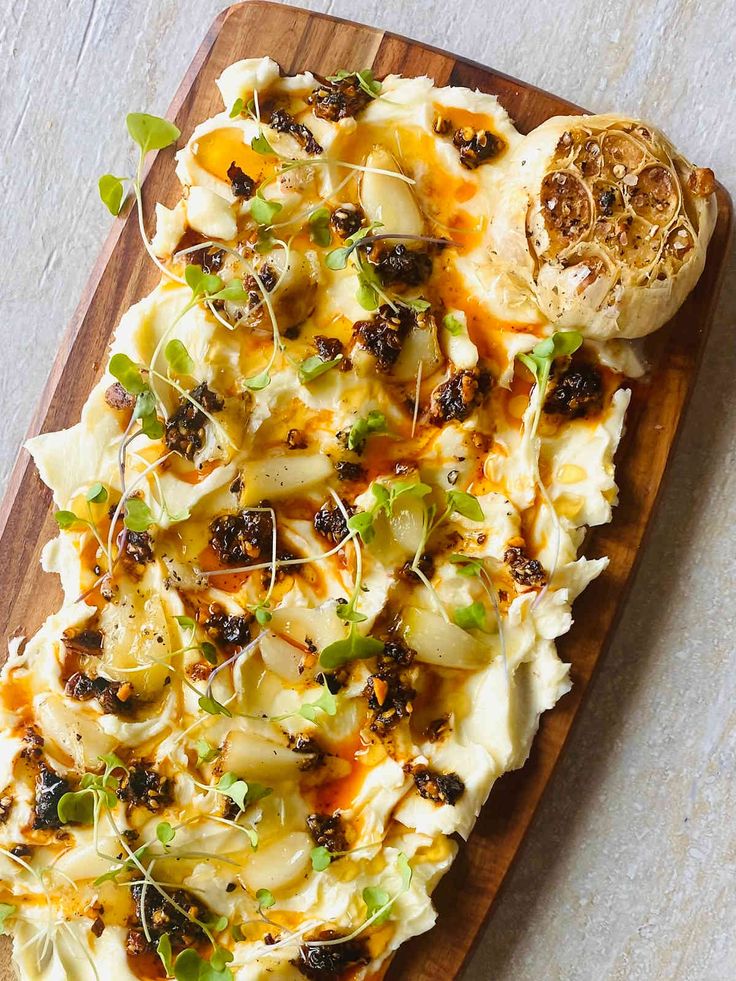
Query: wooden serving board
{"points": [[301, 40]]}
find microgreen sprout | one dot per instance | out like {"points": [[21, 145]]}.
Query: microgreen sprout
{"points": [[466, 565], [364, 426], [264, 898], [365, 79], [314, 367], [150, 133], [319, 227], [539, 362]]}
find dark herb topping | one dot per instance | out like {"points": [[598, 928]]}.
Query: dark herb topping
{"points": [[161, 916], [348, 470], [296, 439], [347, 219], [330, 522], [328, 348], [459, 395], [442, 788], [185, 426], [244, 537], [524, 571], [476, 146], [144, 787], [241, 184], [328, 831], [138, 547], [400, 265], [117, 398], [115, 697], [50, 788], [228, 630], [335, 100], [330, 963], [82, 642], [384, 334], [283, 122], [577, 391]]}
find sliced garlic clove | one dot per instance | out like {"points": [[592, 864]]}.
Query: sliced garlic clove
{"points": [[386, 200]]}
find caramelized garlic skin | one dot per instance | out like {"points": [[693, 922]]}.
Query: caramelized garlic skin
{"points": [[606, 221]]}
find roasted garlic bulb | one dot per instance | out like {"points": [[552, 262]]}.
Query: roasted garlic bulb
{"points": [[607, 223]]}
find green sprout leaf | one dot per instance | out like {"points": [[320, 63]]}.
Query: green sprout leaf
{"points": [[7, 910], [261, 145], [190, 966], [206, 752], [213, 707], [338, 258], [362, 523], [321, 858], [138, 515], [349, 614], [230, 786], [365, 78], [263, 211], [163, 949], [472, 617], [237, 109], [366, 294], [178, 358], [97, 494], [354, 647], [151, 132], [452, 325], [365, 426], [319, 227], [111, 192], [200, 282], [127, 373], [466, 566], [326, 703], [209, 652], [314, 366], [186, 623], [257, 382], [165, 833], [419, 304], [65, 519], [77, 807], [233, 291], [465, 504], [540, 358], [377, 899], [265, 899]]}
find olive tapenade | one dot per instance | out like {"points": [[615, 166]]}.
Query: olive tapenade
{"points": [[142, 786], [459, 395], [185, 426], [401, 266], [338, 99], [283, 122], [50, 788], [330, 963], [441, 788], [241, 184], [242, 538], [330, 522], [476, 146], [524, 570], [384, 335], [114, 697], [576, 391], [328, 830]]}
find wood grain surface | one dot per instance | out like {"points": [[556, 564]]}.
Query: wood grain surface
{"points": [[301, 40]]}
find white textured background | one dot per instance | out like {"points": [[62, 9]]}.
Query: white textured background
{"points": [[630, 869]]}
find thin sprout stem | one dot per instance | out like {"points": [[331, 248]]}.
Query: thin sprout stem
{"points": [[159, 347], [137, 190], [281, 563], [232, 660], [416, 398], [126, 496], [186, 395]]}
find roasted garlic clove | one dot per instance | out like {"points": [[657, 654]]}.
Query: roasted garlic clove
{"points": [[386, 200]]}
